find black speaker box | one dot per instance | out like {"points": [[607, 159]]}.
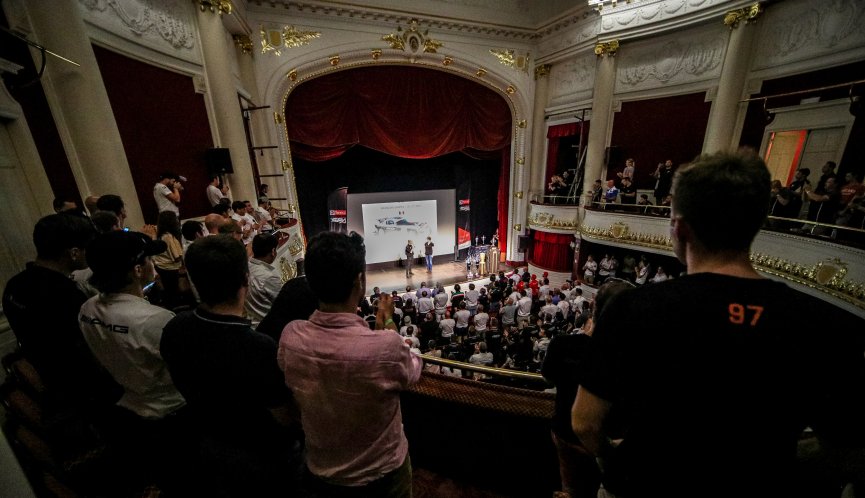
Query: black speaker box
{"points": [[523, 243], [218, 161]]}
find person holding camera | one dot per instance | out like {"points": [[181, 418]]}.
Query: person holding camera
{"points": [[166, 192]]}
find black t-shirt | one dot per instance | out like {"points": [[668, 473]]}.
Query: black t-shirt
{"points": [[715, 378], [42, 306], [628, 194], [563, 365], [228, 374]]}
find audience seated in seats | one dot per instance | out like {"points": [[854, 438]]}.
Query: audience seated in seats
{"points": [[295, 301], [347, 379], [233, 386], [148, 429], [661, 354], [265, 279], [222, 209], [42, 305]]}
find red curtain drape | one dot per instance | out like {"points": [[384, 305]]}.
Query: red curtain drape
{"points": [[553, 134], [552, 251], [407, 112]]}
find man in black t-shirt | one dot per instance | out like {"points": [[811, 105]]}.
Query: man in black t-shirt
{"points": [[711, 377]]}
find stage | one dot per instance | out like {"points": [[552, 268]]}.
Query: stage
{"points": [[446, 273]]}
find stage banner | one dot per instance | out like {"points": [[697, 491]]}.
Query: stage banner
{"points": [[464, 215], [336, 210]]}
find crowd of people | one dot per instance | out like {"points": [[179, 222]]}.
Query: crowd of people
{"points": [[301, 396]]}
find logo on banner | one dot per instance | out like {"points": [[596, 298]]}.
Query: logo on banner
{"points": [[337, 212], [465, 204]]}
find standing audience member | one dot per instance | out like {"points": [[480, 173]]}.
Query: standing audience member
{"points": [[114, 204], [265, 279], [590, 268], [215, 191], [42, 305], [663, 176], [661, 354], [295, 301], [228, 374], [166, 193], [123, 331], [169, 264], [347, 378]]}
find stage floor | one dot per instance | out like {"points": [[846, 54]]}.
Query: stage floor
{"points": [[446, 273]]}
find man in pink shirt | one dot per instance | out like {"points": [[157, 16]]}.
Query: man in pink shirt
{"points": [[347, 378]]}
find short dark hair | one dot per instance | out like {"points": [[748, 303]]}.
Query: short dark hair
{"points": [[104, 221], [263, 243], [238, 205], [742, 181], [168, 174], [220, 209], [191, 229], [56, 233], [110, 202], [805, 171], [607, 291], [60, 202], [217, 266], [333, 261]]}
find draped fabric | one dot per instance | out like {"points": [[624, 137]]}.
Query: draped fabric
{"points": [[553, 134], [408, 112], [552, 251]]}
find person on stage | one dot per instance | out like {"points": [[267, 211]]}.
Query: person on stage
{"points": [[428, 252], [409, 255]]}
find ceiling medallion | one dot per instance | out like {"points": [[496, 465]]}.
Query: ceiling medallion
{"points": [[412, 40], [512, 59], [274, 40]]}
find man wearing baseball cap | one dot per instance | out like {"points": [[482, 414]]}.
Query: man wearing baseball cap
{"points": [[123, 331]]}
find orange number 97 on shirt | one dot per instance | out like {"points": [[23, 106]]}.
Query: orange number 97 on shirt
{"points": [[739, 313]]}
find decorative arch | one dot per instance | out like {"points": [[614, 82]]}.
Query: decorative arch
{"points": [[511, 209]]}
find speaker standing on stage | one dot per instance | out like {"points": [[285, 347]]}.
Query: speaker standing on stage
{"points": [[409, 256], [428, 252]]}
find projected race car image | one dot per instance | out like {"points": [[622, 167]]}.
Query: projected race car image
{"points": [[387, 226]]}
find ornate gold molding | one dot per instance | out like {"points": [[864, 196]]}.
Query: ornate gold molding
{"points": [[277, 118], [274, 40], [543, 70], [412, 38], [521, 161], [521, 123], [447, 61], [621, 231], [518, 227], [510, 90], [549, 220], [607, 48], [244, 43], [481, 72], [334, 60], [518, 195], [747, 14], [288, 269], [375, 54], [220, 6], [286, 165], [512, 59], [828, 276], [292, 75]]}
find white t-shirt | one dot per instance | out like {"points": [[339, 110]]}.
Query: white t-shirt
{"points": [[462, 318], [265, 282], [447, 325], [524, 306], [123, 332], [481, 320], [160, 192], [214, 195]]}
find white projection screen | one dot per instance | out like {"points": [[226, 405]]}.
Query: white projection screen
{"points": [[387, 220]]}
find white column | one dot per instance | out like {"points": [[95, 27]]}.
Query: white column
{"points": [[79, 101], [542, 84], [720, 130], [602, 111], [218, 50]]}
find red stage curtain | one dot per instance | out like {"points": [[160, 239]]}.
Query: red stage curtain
{"points": [[407, 112], [552, 251], [553, 134]]}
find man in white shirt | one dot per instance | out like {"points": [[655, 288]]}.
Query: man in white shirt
{"points": [[549, 308], [481, 319], [215, 194], [447, 325], [472, 296], [263, 212], [265, 279], [166, 193], [425, 304], [462, 317], [247, 225], [524, 308], [441, 304]]}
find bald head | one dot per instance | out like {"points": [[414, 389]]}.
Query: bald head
{"points": [[212, 223]]}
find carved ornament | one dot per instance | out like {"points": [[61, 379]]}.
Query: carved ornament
{"points": [[447, 61], [412, 40], [518, 195], [275, 40], [542, 70], [697, 58], [165, 19], [746, 14], [518, 227], [220, 6], [827, 276], [375, 54], [244, 43], [607, 48], [512, 59]]}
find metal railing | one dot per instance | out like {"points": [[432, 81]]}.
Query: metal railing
{"points": [[494, 371]]}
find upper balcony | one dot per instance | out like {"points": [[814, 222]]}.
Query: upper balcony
{"points": [[811, 258]]}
